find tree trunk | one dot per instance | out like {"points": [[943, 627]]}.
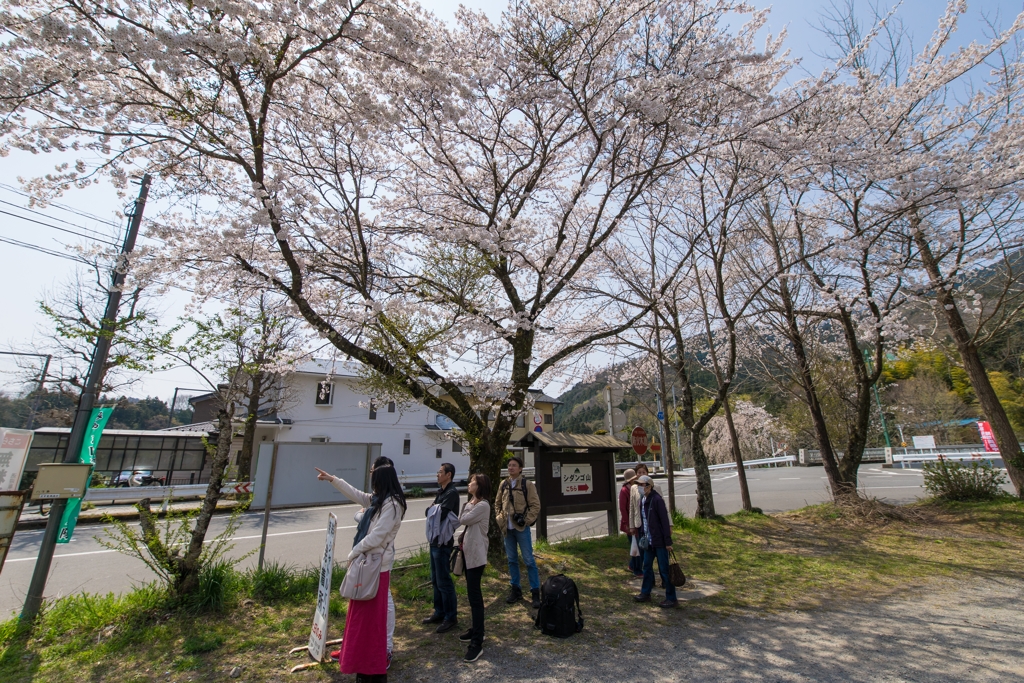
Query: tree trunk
{"points": [[837, 483], [188, 579], [705, 497], [1006, 439], [667, 445], [741, 474], [249, 434], [484, 457]]}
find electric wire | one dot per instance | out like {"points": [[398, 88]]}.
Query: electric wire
{"points": [[43, 250], [88, 232], [64, 207], [57, 227]]}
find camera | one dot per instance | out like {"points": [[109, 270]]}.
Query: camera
{"points": [[519, 519]]}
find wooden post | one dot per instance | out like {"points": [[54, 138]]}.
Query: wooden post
{"points": [[266, 506]]}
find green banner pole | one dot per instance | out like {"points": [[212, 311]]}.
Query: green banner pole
{"points": [[97, 421]]}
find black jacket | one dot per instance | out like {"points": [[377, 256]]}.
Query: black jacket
{"points": [[658, 525], [448, 499]]}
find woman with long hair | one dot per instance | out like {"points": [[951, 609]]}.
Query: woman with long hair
{"points": [[364, 649], [476, 514]]}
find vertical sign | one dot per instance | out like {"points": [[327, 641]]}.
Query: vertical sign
{"points": [[14, 445], [988, 438], [318, 634], [97, 421]]}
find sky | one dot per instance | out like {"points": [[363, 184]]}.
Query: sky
{"points": [[26, 275]]}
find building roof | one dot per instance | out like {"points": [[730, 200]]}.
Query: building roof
{"points": [[186, 430], [562, 440]]}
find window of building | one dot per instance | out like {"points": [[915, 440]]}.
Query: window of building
{"points": [[456, 446], [373, 410], [391, 406], [438, 453], [521, 421], [319, 439], [547, 418], [406, 447], [324, 393]]}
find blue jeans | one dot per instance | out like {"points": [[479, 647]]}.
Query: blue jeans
{"points": [[514, 538], [648, 585], [444, 588]]}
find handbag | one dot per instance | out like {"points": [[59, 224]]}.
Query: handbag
{"points": [[362, 577], [644, 543], [634, 549], [675, 572], [457, 564]]}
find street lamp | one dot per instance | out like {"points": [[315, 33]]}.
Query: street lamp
{"points": [[174, 401]]}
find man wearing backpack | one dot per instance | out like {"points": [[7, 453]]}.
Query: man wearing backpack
{"points": [[516, 509], [442, 520]]}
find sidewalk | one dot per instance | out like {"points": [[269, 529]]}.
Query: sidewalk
{"points": [[126, 512]]}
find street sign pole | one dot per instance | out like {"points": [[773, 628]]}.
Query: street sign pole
{"points": [[34, 598]]}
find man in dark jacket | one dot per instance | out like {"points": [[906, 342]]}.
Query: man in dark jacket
{"points": [[658, 531], [442, 520]]}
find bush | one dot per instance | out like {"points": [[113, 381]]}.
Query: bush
{"points": [[957, 481], [278, 581], [218, 584], [415, 492]]}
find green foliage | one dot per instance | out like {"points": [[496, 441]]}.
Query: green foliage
{"points": [[199, 643], [957, 481], [218, 586], [277, 581], [415, 492]]}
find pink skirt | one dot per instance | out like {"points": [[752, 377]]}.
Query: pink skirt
{"points": [[364, 649]]}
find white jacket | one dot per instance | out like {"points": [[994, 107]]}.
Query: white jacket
{"points": [[383, 528]]}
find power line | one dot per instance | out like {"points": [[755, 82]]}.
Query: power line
{"points": [[63, 207], [44, 250], [56, 227], [89, 231]]}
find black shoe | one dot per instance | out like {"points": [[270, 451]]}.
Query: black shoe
{"points": [[666, 603], [642, 597], [536, 598], [514, 595], [433, 619], [473, 653], [446, 626], [467, 636]]}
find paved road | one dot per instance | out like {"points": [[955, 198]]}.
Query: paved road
{"points": [[296, 536]]}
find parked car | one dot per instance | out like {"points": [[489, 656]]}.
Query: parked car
{"points": [[128, 478]]}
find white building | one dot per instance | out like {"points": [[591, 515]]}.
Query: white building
{"points": [[315, 410]]}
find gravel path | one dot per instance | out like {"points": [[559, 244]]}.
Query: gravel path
{"points": [[970, 631]]}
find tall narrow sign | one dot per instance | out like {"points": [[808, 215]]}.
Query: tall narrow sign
{"points": [[14, 446], [988, 438], [318, 634], [87, 456]]}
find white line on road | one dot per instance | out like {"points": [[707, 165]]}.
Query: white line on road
{"points": [[789, 478]]}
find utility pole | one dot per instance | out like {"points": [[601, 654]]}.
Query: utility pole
{"points": [[878, 401], [34, 599]]}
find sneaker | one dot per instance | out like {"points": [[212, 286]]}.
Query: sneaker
{"points": [[446, 626], [433, 619], [473, 653], [642, 597], [535, 604], [515, 594], [668, 603], [467, 636], [390, 656], [336, 655]]}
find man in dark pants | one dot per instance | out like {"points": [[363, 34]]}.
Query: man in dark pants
{"points": [[657, 530], [442, 520]]}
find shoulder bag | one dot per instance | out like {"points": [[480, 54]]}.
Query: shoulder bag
{"points": [[675, 572], [363, 576]]}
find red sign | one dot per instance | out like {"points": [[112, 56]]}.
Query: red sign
{"points": [[639, 440], [987, 437], [655, 448]]}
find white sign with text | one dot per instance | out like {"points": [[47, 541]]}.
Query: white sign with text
{"points": [[318, 634], [577, 479]]}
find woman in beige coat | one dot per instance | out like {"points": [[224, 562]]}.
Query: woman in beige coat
{"points": [[476, 515]]}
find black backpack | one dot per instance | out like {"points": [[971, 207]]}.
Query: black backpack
{"points": [[559, 613]]}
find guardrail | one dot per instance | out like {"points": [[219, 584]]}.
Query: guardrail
{"points": [[778, 460], [903, 458], [133, 494]]}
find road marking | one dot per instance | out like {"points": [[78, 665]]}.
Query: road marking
{"points": [[897, 487], [789, 478]]}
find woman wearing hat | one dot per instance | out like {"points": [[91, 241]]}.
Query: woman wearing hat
{"points": [[625, 493], [657, 531]]}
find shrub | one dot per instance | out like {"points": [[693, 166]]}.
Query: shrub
{"points": [[957, 481], [278, 581], [218, 583], [415, 492]]}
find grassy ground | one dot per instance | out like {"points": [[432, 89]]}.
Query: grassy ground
{"points": [[798, 560]]}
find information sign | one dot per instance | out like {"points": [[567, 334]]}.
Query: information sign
{"points": [[318, 634], [577, 479], [14, 445]]}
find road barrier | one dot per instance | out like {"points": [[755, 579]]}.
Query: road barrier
{"points": [[922, 456], [133, 494], [788, 460]]}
